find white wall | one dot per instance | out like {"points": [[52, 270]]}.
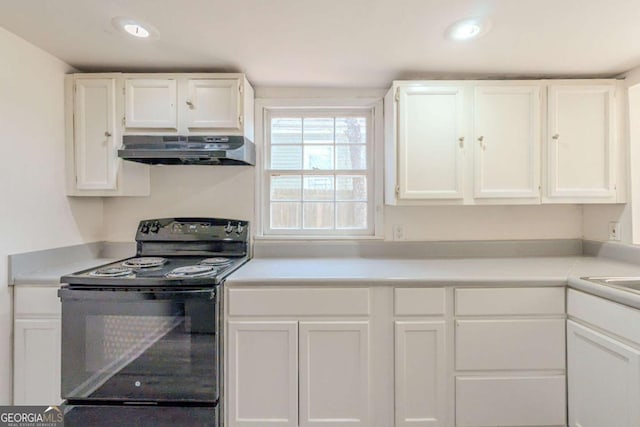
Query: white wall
{"points": [[34, 214], [485, 222], [229, 192], [208, 191]]}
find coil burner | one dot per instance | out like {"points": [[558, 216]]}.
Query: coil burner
{"points": [[144, 262]]}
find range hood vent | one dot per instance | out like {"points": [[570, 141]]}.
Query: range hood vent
{"points": [[188, 150]]}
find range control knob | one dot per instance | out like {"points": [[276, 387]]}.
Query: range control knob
{"points": [[144, 229], [228, 228], [155, 227], [239, 228]]}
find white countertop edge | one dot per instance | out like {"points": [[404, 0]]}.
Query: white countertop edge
{"points": [[620, 296]]}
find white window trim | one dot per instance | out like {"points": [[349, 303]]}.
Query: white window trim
{"points": [[262, 108]]}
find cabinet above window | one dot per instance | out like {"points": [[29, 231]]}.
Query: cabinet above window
{"points": [[504, 142]]}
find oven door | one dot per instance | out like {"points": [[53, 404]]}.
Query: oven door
{"points": [[141, 345]]}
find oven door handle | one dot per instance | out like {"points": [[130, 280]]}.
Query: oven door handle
{"points": [[136, 294]]}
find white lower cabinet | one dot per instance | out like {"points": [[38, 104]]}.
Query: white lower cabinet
{"points": [[414, 356], [334, 373], [36, 346], [297, 372], [420, 373], [263, 374], [274, 381], [510, 357], [604, 379], [510, 401]]}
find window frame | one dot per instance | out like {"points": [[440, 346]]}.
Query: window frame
{"points": [[317, 107]]}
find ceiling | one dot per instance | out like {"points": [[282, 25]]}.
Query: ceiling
{"points": [[337, 43]]}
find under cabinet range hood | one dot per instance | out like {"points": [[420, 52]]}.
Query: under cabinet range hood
{"points": [[188, 150]]}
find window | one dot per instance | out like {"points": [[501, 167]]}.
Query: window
{"points": [[318, 172]]}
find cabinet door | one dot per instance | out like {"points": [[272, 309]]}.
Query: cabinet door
{"points": [[150, 104], [507, 141], [262, 375], [420, 374], [213, 104], [36, 362], [604, 380], [334, 374], [580, 142], [95, 148], [430, 142]]}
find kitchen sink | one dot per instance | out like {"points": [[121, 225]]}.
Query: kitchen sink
{"points": [[626, 283]]}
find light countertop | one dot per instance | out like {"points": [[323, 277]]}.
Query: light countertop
{"points": [[522, 271], [51, 275]]}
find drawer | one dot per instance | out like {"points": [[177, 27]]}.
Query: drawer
{"points": [[510, 344], [297, 302], [608, 315], [36, 300], [419, 301], [510, 301], [510, 401]]}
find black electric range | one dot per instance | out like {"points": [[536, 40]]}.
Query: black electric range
{"points": [[142, 337]]}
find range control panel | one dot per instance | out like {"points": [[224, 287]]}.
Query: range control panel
{"points": [[190, 229]]}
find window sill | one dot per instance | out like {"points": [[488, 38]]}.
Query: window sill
{"points": [[315, 238]]}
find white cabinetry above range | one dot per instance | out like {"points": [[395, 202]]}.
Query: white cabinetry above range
{"points": [[504, 142], [101, 108]]}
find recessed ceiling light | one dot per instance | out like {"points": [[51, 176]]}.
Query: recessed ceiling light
{"points": [[467, 29], [136, 28]]}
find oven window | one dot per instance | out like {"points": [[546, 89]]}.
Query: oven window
{"points": [[142, 350]]}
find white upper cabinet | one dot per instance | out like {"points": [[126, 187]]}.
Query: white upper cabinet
{"points": [[188, 104], [503, 142], [580, 142], [93, 137], [151, 104], [430, 141], [213, 103], [507, 141], [94, 112]]}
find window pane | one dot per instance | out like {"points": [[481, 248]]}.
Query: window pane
{"points": [[351, 130], [351, 157], [318, 215], [318, 131], [320, 157], [286, 130], [318, 188], [352, 215], [286, 187], [285, 215], [286, 157], [351, 188]]}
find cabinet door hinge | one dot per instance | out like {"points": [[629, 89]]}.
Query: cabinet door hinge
{"points": [[397, 94], [397, 190], [124, 121], [241, 89], [240, 120]]}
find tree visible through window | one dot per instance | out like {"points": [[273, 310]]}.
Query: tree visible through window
{"points": [[319, 173]]}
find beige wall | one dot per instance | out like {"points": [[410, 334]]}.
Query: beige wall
{"points": [[223, 192], [485, 222], [34, 213]]}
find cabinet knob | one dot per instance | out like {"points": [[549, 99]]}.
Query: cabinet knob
{"points": [[556, 136], [461, 141], [107, 134], [189, 103]]}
